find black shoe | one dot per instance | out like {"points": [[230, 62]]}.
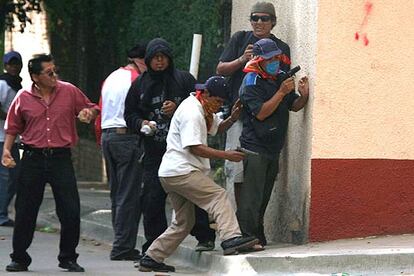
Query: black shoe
{"points": [[16, 267], [147, 264], [72, 266], [205, 246], [133, 255], [233, 245], [9, 223]]}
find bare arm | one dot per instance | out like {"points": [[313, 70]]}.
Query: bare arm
{"points": [[235, 114], [271, 105], [207, 152]]}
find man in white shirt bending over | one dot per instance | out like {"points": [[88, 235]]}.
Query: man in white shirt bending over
{"points": [[183, 174]]}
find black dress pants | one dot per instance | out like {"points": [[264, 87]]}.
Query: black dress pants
{"points": [[39, 167]]}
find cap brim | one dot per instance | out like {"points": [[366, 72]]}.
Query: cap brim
{"points": [[200, 86], [271, 54]]}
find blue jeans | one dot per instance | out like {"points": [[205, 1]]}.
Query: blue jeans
{"points": [[7, 183], [38, 168]]}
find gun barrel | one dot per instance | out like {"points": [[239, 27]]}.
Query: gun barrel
{"points": [[293, 71]]}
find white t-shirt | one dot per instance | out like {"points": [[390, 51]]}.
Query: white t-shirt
{"points": [[114, 91], [7, 95], [188, 128]]}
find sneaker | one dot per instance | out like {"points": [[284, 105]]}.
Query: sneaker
{"points": [[133, 255], [71, 266], [205, 246], [236, 244], [16, 267], [147, 264]]}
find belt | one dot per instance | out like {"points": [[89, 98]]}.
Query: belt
{"points": [[119, 130], [46, 151]]}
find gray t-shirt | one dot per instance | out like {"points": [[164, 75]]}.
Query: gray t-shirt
{"points": [[7, 95]]}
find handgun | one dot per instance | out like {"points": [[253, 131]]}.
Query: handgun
{"points": [[246, 151], [290, 73]]}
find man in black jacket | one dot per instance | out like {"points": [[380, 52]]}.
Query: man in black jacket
{"points": [[151, 102]]}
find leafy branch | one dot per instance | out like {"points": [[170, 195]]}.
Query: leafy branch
{"points": [[20, 9]]}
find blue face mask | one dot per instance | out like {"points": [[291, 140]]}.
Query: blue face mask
{"points": [[272, 68]]}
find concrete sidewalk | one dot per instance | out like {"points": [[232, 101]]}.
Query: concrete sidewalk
{"points": [[390, 255]]}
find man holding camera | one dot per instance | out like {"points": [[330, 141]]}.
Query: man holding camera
{"points": [[238, 52]]}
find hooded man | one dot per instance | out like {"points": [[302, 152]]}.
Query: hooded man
{"points": [[152, 101]]}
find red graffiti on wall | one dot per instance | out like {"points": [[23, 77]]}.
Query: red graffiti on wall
{"points": [[361, 33]]}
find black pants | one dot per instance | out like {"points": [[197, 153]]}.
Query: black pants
{"points": [[259, 178], [122, 153], [37, 169], [153, 207]]}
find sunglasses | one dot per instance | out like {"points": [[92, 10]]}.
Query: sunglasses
{"points": [[51, 73], [264, 18]]}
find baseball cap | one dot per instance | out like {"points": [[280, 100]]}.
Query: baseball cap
{"points": [[216, 85], [263, 7], [266, 48], [10, 55]]}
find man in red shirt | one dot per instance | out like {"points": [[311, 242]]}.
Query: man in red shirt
{"points": [[44, 116]]}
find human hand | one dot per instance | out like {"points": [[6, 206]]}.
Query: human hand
{"points": [[235, 156], [148, 127], [7, 159], [304, 86], [287, 86], [168, 108], [86, 115], [248, 54], [236, 110]]}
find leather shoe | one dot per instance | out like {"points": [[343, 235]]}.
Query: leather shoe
{"points": [[9, 223], [133, 255], [72, 266], [205, 246], [16, 267], [236, 244], [148, 264]]}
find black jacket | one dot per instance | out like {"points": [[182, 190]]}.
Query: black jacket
{"points": [[146, 96]]}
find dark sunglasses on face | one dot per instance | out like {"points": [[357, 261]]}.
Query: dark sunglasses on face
{"points": [[264, 18], [51, 73]]}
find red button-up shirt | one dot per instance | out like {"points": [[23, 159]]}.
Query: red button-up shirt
{"points": [[47, 125]]}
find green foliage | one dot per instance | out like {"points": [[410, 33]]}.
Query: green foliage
{"points": [[177, 21], [89, 38], [9, 9], [19, 8]]}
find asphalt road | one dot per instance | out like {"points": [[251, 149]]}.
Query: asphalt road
{"points": [[93, 256]]}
